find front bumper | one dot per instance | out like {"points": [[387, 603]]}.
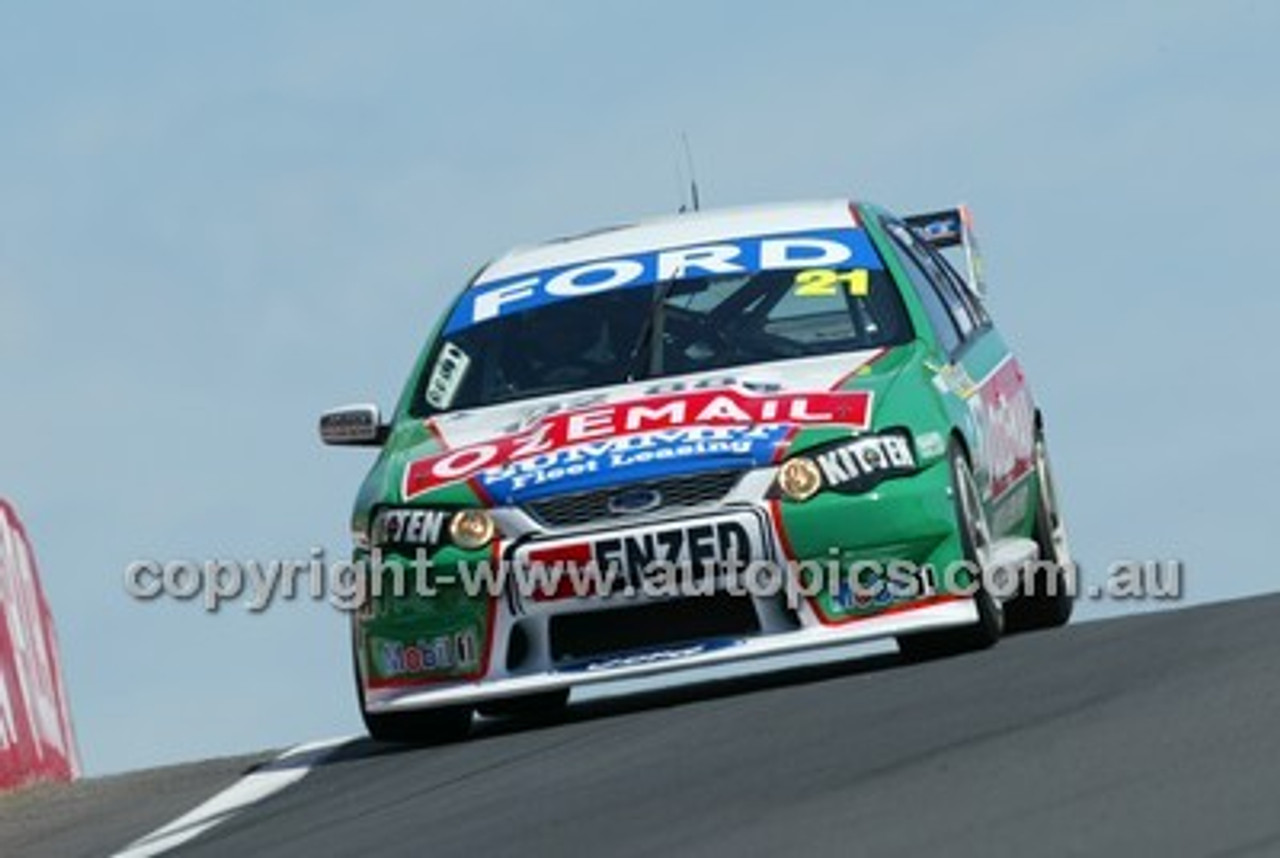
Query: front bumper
{"points": [[456, 648], [947, 611]]}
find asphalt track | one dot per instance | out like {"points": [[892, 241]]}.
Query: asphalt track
{"points": [[1153, 735], [95, 816], [1149, 735]]}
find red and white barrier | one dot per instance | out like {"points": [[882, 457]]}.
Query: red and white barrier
{"points": [[36, 739]]}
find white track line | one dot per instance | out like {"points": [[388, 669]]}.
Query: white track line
{"points": [[282, 772]]}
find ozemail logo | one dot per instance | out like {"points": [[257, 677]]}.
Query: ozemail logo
{"points": [[711, 409], [36, 740]]}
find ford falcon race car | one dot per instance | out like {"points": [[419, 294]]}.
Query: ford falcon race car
{"points": [[698, 439]]}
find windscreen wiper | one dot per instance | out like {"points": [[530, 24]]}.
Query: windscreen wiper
{"points": [[651, 335]]}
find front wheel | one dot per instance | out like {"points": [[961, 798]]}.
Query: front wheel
{"points": [[424, 727], [417, 727], [975, 541]]}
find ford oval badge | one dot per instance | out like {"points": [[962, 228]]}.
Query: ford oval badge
{"points": [[634, 501]]}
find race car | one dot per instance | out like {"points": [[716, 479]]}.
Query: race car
{"points": [[693, 440]]}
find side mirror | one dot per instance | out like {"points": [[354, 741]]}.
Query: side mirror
{"points": [[353, 426]]}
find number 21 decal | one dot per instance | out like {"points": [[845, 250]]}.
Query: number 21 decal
{"points": [[825, 283]]}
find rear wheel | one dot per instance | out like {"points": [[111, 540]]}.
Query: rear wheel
{"points": [[1046, 600], [975, 540]]}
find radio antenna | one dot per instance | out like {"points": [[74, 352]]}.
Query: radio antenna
{"points": [[693, 173], [680, 185]]}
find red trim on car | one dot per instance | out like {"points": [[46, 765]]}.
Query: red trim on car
{"points": [[432, 428], [784, 541], [853, 373]]}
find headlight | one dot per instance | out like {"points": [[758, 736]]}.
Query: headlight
{"points": [[799, 478], [471, 528], [420, 527]]}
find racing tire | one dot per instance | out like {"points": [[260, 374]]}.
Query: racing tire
{"points": [[545, 705], [1046, 600], [424, 727], [975, 541]]}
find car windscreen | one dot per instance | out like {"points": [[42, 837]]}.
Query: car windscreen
{"points": [[659, 330]]}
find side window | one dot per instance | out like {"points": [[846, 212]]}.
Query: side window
{"points": [[956, 306], [956, 287], [940, 317]]}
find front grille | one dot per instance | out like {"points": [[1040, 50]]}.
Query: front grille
{"points": [[676, 492]]}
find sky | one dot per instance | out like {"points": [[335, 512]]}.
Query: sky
{"points": [[219, 219]]}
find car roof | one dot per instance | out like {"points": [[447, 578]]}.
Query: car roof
{"points": [[679, 230]]}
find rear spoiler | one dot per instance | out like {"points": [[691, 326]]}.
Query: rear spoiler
{"points": [[953, 228]]}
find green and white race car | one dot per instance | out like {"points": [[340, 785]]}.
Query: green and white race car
{"points": [[694, 440]]}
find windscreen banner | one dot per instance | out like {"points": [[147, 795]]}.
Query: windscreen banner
{"points": [[36, 738]]}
